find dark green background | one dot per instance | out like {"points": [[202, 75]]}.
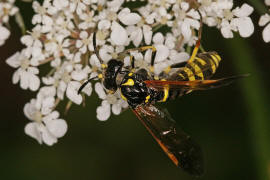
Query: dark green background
{"points": [[230, 123]]}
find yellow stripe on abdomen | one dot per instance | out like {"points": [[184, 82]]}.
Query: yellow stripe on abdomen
{"points": [[197, 70], [191, 76], [215, 60], [201, 61]]}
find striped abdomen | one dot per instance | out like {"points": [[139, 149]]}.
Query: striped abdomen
{"points": [[202, 67]]}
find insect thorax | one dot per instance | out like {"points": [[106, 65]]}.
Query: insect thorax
{"points": [[134, 90]]}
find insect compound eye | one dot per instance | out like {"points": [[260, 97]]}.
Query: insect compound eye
{"points": [[113, 68]]}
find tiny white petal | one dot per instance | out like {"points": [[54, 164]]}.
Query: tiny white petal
{"points": [[266, 33], [104, 24], [186, 30], [162, 52], [244, 11], [32, 131], [158, 38], [147, 34], [72, 92], [119, 34], [57, 127], [13, 60], [264, 19], [100, 91], [4, 34], [15, 77], [47, 137], [226, 29], [104, 111], [34, 82], [116, 109], [179, 57], [245, 26], [267, 2], [137, 36], [78, 75], [24, 79], [87, 89], [129, 18]]}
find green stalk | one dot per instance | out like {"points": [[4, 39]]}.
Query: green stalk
{"points": [[255, 97]]}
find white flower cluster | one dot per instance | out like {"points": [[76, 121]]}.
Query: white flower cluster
{"points": [[62, 38], [7, 9], [264, 21]]}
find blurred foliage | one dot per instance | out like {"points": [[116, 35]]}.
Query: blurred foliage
{"points": [[230, 123]]}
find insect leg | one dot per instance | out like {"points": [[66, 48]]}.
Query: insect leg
{"points": [[142, 49], [132, 62]]}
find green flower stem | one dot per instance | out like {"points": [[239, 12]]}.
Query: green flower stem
{"points": [[255, 96]]}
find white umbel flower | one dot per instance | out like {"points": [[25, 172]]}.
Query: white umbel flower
{"points": [[26, 74], [45, 128], [62, 38], [109, 102], [238, 20], [264, 21]]}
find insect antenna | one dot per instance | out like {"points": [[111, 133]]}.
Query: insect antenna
{"points": [[85, 83], [95, 48]]}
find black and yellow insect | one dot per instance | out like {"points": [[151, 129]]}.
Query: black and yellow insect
{"points": [[142, 90]]}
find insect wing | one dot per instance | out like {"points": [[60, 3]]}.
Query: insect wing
{"points": [[180, 148], [191, 85]]}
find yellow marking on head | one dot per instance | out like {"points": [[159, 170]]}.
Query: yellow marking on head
{"points": [[168, 69], [198, 70], [100, 76], [130, 74], [103, 66], [156, 78], [144, 48], [190, 74], [215, 59], [129, 82], [182, 76], [147, 98], [201, 61]]}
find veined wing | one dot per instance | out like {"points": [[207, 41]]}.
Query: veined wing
{"points": [[179, 146], [191, 85]]}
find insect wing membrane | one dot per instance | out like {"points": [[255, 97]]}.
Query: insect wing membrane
{"points": [[192, 85], [180, 148]]}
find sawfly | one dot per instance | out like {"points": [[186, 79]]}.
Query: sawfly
{"points": [[142, 90]]}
